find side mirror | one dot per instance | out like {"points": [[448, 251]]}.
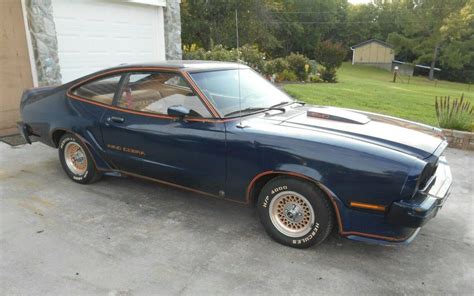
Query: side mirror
{"points": [[179, 111]]}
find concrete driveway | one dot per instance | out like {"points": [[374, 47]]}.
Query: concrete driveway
{"points": [[132, 237]]}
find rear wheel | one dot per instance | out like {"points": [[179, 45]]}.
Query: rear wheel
{"points": [[76, 160], [294, 212]]}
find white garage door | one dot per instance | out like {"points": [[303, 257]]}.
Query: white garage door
{"points": [[96, 34]]}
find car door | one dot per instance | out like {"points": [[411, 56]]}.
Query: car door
{"points": [[141, 138]]}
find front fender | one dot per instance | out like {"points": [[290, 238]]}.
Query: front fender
{"points": [[355, 171]]}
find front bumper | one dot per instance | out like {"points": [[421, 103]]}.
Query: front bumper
{"points": [[416, 212]]}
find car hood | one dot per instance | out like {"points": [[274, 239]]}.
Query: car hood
{"points": [[409, 137]]}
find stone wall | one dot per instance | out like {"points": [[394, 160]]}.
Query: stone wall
{"points": [[44, 41], [45, 44], [172, 19], [459, 139]]}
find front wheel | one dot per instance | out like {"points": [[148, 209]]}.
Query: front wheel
{"points": [[76, 160], [294, 212]]}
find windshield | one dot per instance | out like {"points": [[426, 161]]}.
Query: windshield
{"points": [[222, 89]]}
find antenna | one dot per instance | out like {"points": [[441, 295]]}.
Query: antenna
{"points": [[238, 66], [237, 30]]}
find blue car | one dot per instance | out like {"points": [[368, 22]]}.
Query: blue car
{"points": [[222, 130]]}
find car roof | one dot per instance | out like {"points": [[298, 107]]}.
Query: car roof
{"points": [[186, 65], [182, 65]]}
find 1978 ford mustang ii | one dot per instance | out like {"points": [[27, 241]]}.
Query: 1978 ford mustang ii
{"points": [[222, 130]]}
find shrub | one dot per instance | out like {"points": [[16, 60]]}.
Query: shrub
{"points": [[313, 67], [330, 55], [252, 57], [220, 53], [287, 75], [193, 52], [455, 114], [299, 64], [275, 66], [249, 54], [329, 75], [292, 68], [315, 78]]}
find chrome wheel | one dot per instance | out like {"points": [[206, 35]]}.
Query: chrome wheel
{"points": [[292, 214], [76, 159]]}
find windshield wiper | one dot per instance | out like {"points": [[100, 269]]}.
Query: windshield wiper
{"points": [[279, 104], [276, 106], [250, 109], [256, 109]]}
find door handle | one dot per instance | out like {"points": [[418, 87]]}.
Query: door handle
{"points": [[116, 119]]}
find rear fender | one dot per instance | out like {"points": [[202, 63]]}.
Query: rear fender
{"points": [[93, 147]]}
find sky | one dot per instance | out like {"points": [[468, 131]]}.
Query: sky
{"points": [[358, 1]]}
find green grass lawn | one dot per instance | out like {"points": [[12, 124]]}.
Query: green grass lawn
{"points": [[372, 89]]}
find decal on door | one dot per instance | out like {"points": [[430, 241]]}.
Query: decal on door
{"points": [[126, 149]]}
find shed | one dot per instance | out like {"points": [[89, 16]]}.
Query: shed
{"points": [[373, 52]]}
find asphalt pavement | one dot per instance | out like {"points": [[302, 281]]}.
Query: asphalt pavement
{"points": [[125, 236]]}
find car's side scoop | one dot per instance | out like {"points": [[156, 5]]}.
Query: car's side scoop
{"points": [[337, 114]]}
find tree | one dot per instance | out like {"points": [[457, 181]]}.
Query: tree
{"points": [[211, 22], [422, 32], [457, 56], [301, 23], [362, 19], [432, 32], [330, 55]]}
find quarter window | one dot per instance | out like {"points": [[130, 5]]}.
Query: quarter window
{"points": [[155, 92], [101, 90]]}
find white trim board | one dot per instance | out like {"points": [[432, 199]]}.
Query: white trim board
{"points": [[34, 72]]}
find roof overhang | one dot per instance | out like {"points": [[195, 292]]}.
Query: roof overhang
{"points": [[417, 65], [370, 41]]}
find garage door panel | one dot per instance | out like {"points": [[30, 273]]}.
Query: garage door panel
{"points": [[93, 35]]}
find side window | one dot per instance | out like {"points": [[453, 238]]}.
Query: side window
{"points": [[155, 92], [101, 90]]}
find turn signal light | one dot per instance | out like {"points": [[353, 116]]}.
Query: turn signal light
{"points": [[367, 206]]}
